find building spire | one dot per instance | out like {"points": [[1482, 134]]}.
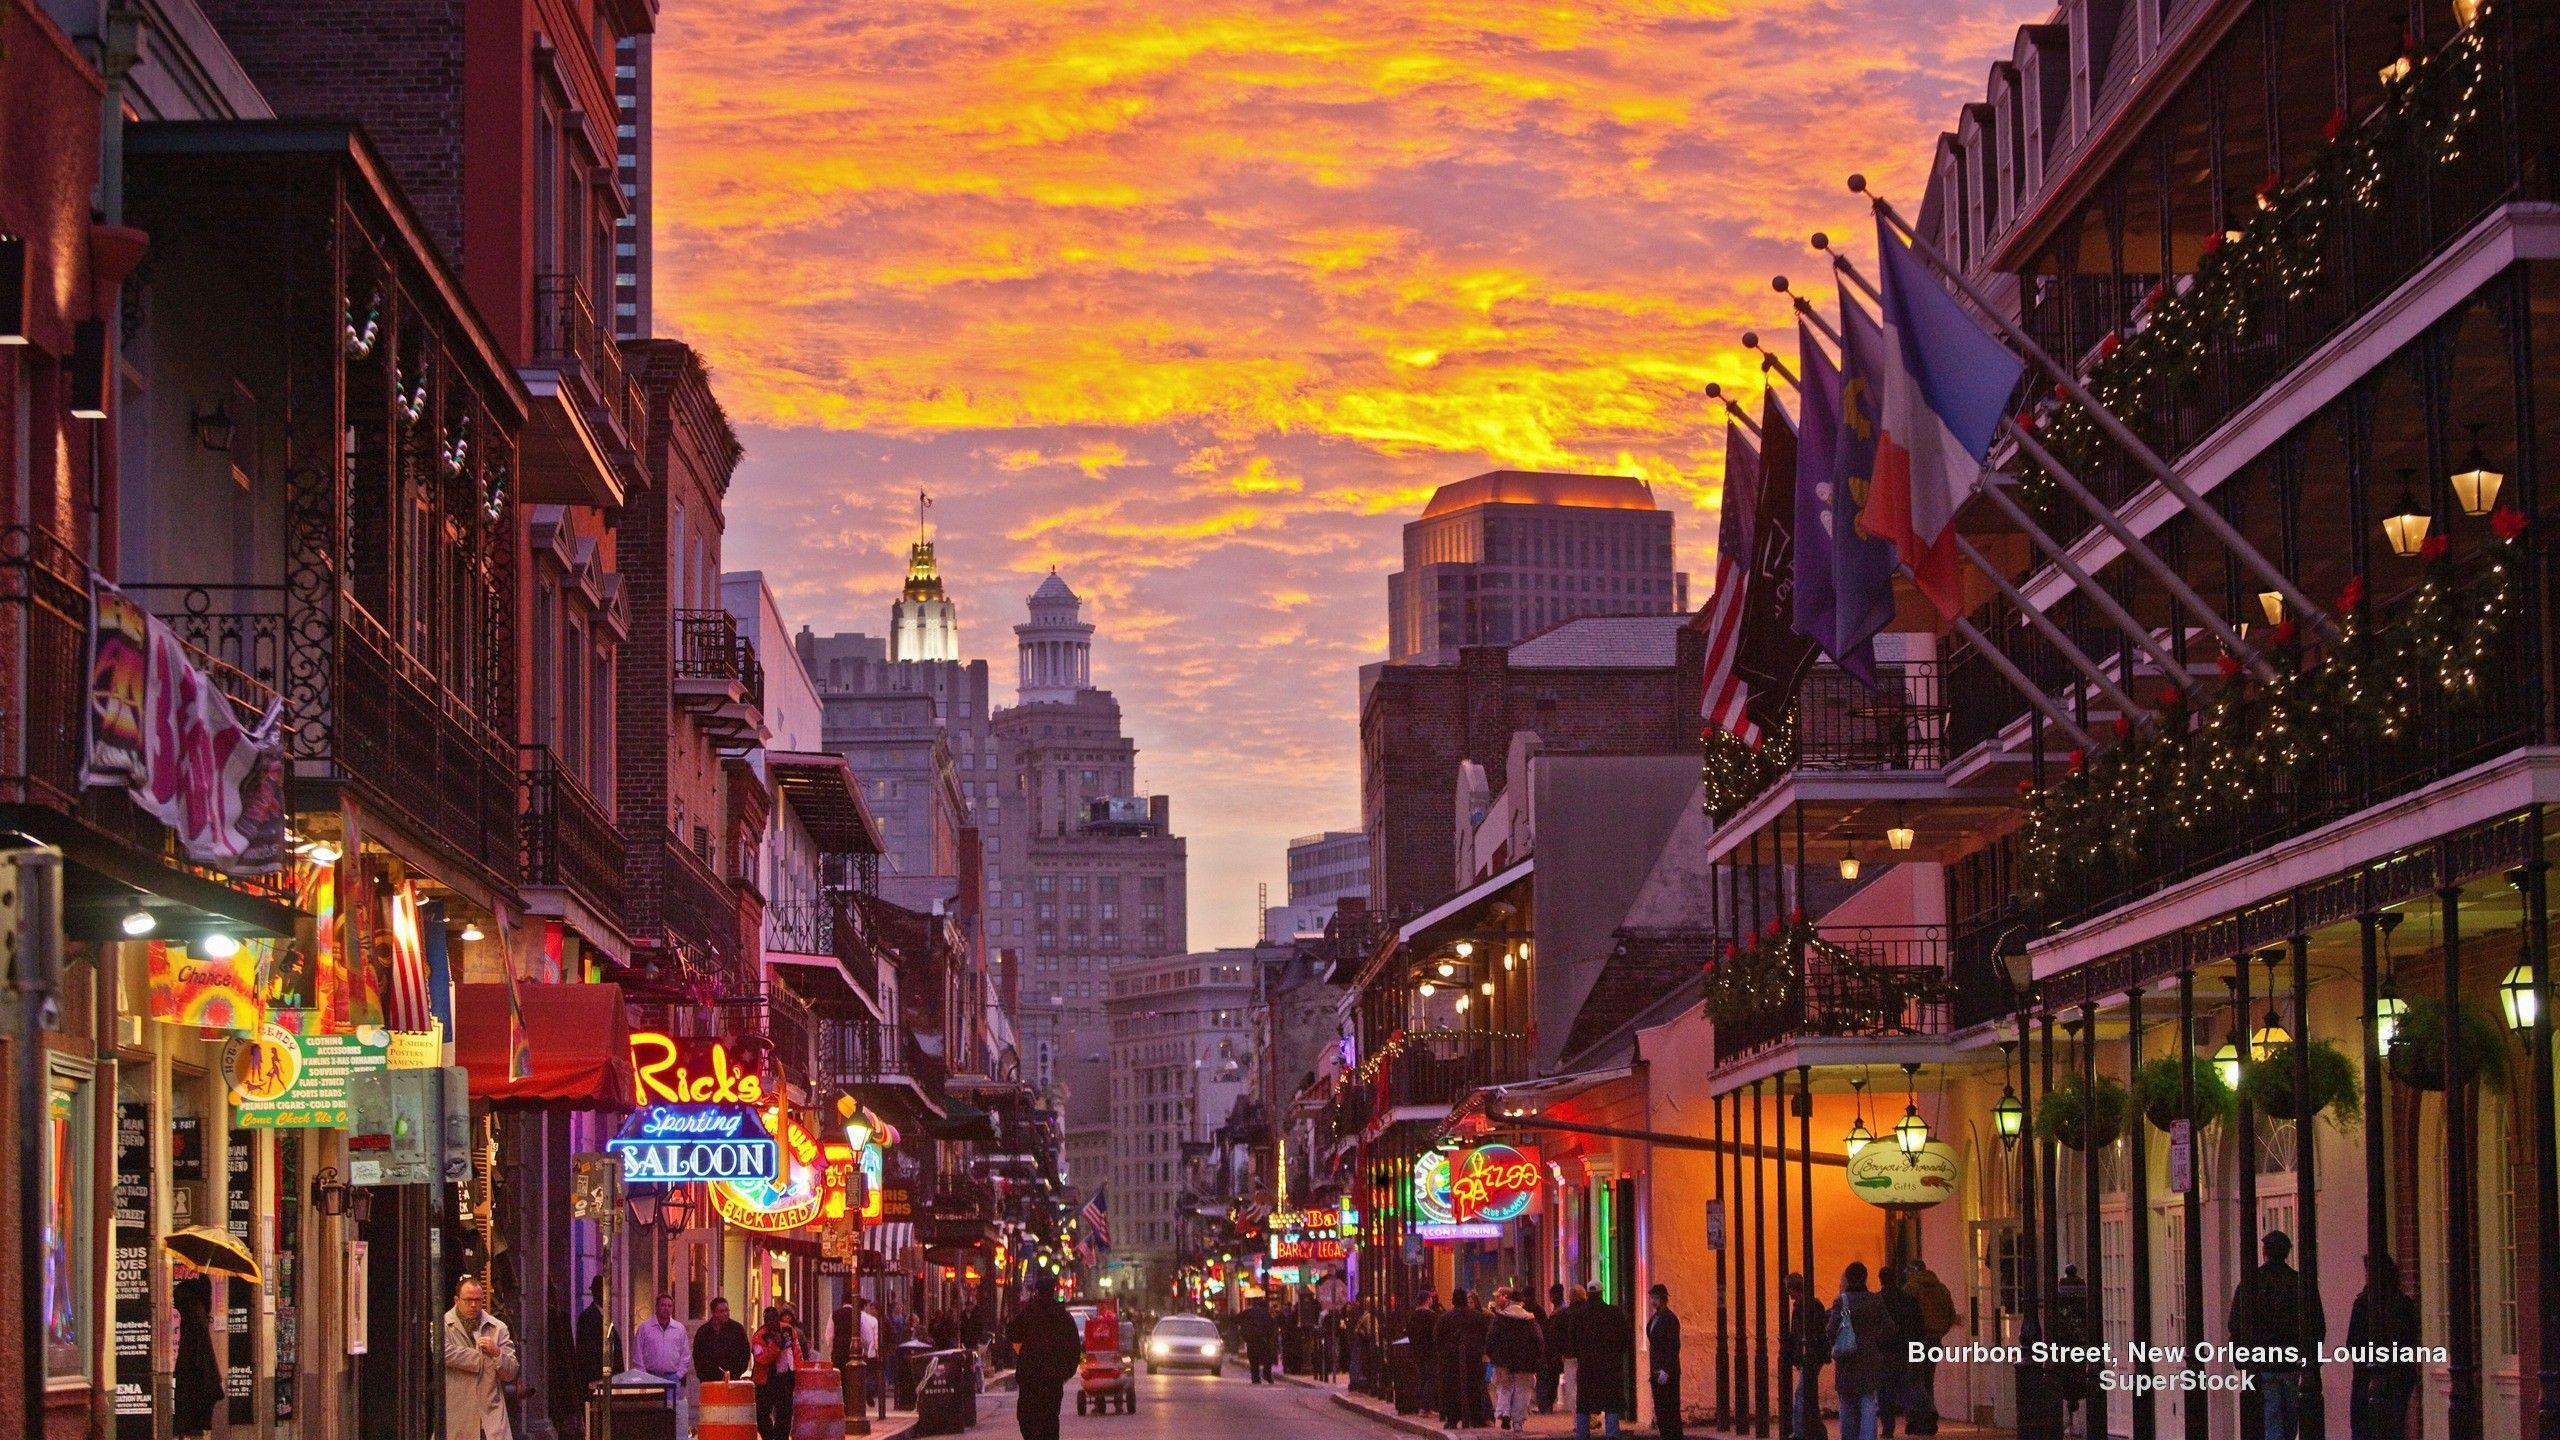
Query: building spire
{"points": [[923, 625]]}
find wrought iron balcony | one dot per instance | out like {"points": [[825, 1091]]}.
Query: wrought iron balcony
{"points": [[697, 913], [568, 839], [718, 679], [1442, 1067], [864, 1051], [579, 362], [1894, 982]]}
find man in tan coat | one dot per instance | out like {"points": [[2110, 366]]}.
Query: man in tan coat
{"points": [[479, 1364]]}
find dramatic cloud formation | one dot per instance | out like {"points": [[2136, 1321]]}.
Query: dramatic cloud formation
{"points": [[1197, 302]]}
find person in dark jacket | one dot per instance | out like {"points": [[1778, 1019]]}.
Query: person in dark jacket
{"points": [[1662, 1363], [2383, 1315], [1260, 1330], [1047, 1351], [720, 1349], [588, 1366], [2275, 1312], [1604, 1347], [199, 1377], [1464, 1403], [1310, 1328], [1804, 1336], [1551, 1365], [1860, 1335], [1896, 1399], [1517, 1347], [1422, 1356]]}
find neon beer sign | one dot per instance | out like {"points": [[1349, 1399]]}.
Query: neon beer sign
{"points": [[680, 1144], [1493, 1183]]}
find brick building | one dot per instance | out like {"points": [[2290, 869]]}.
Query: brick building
{"points": [[1624, 685]]}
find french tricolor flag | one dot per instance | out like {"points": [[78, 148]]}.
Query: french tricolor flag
{"points": [[1946, 385]]}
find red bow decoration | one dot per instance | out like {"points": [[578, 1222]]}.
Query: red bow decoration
{"points": [[2351, 594], [2026, 421], [1796, 915], [2061, 391], [2108, 346], [2172, 698], [2213, 242], [2436, 547], [2025, 788], [1732, 951], [2508, 521], [2123, 728], [1774, 927], [2227, 664], [2283, 632], [2079, 758], [2335, 126]]}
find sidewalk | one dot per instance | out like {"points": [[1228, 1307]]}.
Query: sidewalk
{"points": [[1558, 1426]]}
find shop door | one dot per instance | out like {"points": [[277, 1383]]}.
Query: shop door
{"points": [[2169, 1299], [1992, 1318]]}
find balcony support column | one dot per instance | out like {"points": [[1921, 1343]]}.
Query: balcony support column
{"points": [[2244, 1124], [2306, 1178], [2137, 1182], [2461, 1197], [1785, 1409], [2091, 1237], [2048, 1168], [1759, 1270], [2191, 1210], [1724, 1314], [2532, 881], [1804, 1182]]}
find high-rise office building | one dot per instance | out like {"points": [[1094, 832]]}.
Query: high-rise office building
{"points": [[1505, 555]]}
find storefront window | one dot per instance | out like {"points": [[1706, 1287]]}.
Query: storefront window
{"points": [[68, 1222]]}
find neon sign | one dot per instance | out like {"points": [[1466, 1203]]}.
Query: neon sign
{"points": [[673, 1070], [790, 1196], [1431, 1189], [679, 1144], [1493, 1183]]}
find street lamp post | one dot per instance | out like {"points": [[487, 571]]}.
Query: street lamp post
{"points": [[2039, 1417]]}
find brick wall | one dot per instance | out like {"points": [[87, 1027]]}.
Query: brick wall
{"points": [[393, 65]]}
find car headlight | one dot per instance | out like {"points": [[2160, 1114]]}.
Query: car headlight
{"points": [[1211, 1349], [1158, 1349]]}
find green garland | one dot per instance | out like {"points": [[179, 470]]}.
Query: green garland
{"points": [[1764, 979], [1732, 772], [2183, 771], [2143, 370]]}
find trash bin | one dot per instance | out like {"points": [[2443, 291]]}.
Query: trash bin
{"points": [[1400, 1376], [907, 1363], [944, 1399], [642, 1406]]}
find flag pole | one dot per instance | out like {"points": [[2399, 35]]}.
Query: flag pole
{"points": [[1715, 391], [2097, 594], [2010, 672], [1805, 308], [2052, 633], [2210, 518], [2140, 549], [1769, 360], [1841, 263]]}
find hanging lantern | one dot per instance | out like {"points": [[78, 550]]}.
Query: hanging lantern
{"points": [[2226, 1063], [1462, 1002], [1898, 836], [1426, 990], [1465, 948], [2271, 605], [2271, 1033], [1849, 866], [2389, 1013], [1911, 1132], [1446, 969], [2516, 997], [2009, 1117], [2406, 526], [2465, 12], [1486, 987], [2475, 485], [1509, 959], [1858, 1138]]}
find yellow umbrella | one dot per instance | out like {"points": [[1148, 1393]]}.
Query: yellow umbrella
{"points": [[214, 1251]]}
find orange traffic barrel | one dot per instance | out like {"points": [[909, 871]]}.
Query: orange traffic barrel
{"points": [[728, 1410], [817, 1404]]}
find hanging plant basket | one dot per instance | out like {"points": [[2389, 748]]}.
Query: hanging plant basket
{"points": [[2268, 1084], [2417, 1048], [2156, 1083], [2093, 1123]]}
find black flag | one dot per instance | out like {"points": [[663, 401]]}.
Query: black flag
{"points": [[1773, 658]]}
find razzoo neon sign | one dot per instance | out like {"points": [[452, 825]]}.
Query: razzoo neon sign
{"points": [[1493, 1183], [673, 1070]]}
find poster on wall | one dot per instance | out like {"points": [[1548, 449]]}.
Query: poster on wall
{"points": [[1883, 1175], [132, 1315], [211, 992], [240, 1210], [287, 1077]]}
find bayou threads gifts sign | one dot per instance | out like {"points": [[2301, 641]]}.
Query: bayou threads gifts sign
{"points": [[289, 1079]]}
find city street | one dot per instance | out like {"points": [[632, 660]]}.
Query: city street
{"points": [[1196, 1407]]}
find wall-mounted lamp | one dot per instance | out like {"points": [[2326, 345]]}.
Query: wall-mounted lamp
{"points": [[215, 429]]}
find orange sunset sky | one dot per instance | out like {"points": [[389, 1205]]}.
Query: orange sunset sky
{"points": [[1198, 301]]}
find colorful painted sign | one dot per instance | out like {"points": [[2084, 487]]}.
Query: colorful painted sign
{"points": [[680, 1144], [1881, 1175], [684, 1070], [214, 992], [1431, 1189], [789, 1197], [287, 1078], [1491, 1184]]}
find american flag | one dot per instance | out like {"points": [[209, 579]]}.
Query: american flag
{"points": [[1096, 1216], [408, 1006], [1725, 705]]}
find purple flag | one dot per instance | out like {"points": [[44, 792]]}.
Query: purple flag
{"points": [[1862, 565]]}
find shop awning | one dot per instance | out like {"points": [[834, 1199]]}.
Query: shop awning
{"points": [[581, 1048], [961, 1121]]}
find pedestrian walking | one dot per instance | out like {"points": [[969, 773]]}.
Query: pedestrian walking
{"points": [[721, 1350], [1802, 1334], [1422, 1358], [1937, 1316], [1604, 1348], [1662, 1363], [1261, 1331], [1464, 1401], [776, 1372], [663, 1349], [1556, 1386], [199, 1377], [1517, 1346], [2276, 1313], [479, 1364], [591, 1327], [1897, 1396], [1860, 1333], [1047, 1349], [2383, 1315]]}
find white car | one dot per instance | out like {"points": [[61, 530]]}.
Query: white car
{"points": [[1185, 1342]]}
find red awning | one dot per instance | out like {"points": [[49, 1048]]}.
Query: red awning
{"points": [[581, 1048]]}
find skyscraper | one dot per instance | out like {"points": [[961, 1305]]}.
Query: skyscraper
{"points": [[923, 625], [1505, 555]]}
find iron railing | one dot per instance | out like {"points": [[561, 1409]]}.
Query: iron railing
{"points": [[569, 336], [568, 839], [709, 647], [698, 911], [1901, 724], [414, 745], [1894, 983], [861, 1050]]}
